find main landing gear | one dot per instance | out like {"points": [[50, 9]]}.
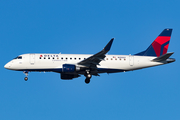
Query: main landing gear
{"points": [[88, 77], [26, 73]]}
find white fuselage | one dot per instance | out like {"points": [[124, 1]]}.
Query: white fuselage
{"points": [[54, 62], [74, 65]]}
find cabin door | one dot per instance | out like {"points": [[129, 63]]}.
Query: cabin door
{"points": [[131, 60], [32, 59]]}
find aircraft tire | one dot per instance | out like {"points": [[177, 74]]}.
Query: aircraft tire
{"points": [[26, 78], [87, 80]]}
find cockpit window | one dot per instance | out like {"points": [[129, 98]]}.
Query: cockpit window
{"points": [[19, 57]]}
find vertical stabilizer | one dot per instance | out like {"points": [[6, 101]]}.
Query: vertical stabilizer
{"points": [[159, 46]]}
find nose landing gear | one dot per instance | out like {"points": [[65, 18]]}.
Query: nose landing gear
{"points": [[26, 78], [26, 73]]}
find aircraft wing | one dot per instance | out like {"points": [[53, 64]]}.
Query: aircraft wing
{"points": [[95, 59]]}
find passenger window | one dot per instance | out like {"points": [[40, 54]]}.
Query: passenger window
{"points": [[79, 58], [75, 58], [62, 58], [70, 58], [44, 58], [53, 57], [39, 57], [57, 58], [66, 58], [48, 57]]}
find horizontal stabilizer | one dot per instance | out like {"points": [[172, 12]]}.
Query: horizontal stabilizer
{"points": [[162, 57]]}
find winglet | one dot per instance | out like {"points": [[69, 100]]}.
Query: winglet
{"points": [[108, 46]]}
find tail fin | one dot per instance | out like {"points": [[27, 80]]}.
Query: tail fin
{"points": [[159, 46]]}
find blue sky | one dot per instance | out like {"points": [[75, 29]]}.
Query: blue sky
{"points": [[85, 27]]}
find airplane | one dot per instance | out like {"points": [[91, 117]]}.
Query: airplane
{"points": [[74, 65]]}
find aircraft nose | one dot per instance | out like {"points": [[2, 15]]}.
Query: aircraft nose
{"points": [[7, 65]]}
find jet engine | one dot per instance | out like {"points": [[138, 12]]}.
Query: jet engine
{"points": [[69, 68]]}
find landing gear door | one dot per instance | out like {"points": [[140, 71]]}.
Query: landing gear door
{"points": [[131, 60], [32, 59]]}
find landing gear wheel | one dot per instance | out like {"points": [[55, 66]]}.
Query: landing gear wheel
{"points": [[26, 78], [88, 76], [87, 80], [26, 73]]}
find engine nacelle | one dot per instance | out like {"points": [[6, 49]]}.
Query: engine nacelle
{"points": [[68, 76], [68, 68]]}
